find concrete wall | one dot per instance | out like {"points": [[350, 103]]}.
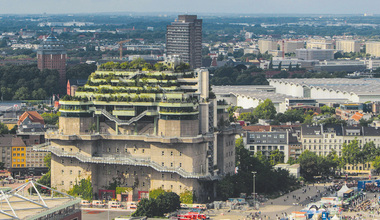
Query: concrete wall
{"points": [[72, 126], [178, 128]]}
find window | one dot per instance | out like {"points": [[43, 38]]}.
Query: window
{"points": [[62, 171], [180, 153], [163, 164], [171, 153], [180, 164], [22, 155], [71, 183], [126, 150], [108, 150], [63, 183], [143, 150], [171, 164], [79, 172], [134, 150], [171, 175], [282, 136], [163, 153], [162, 176], [71, 172], [143, 184], [62, 161], [117, 150]]}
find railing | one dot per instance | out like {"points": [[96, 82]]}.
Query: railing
{"points": [[122, 160], [124, 122]]}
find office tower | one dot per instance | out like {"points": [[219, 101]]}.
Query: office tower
{"points": [[184, 38], [51, 54], [144, 129]]}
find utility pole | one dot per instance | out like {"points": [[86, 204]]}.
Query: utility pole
{"points": [[254, 188]]}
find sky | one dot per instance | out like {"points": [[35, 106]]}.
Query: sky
{"points": [[191, 6]]}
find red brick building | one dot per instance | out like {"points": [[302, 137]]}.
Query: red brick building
{"points": [[51, 54]]}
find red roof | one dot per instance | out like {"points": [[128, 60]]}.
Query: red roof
{"points": [[33, 116], [357, 116]]}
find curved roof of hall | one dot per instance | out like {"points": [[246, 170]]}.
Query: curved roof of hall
{"points": [[254, 92], [369, 86]]}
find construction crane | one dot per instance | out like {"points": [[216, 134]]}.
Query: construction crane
{"points": [[121, 47]]}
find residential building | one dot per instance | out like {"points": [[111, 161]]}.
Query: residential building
{"points": [[267, 45], [348, 46], [373, 48], [315, 54], [291, 46], [320, 44], [149, 136], [51, 54], [266, 141], [18, 153], [184, 38], [324, 139]]}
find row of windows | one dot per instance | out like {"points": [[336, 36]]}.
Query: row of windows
{"points": [[171, 153], [335, 140], [171, 164], [18, 149], [18, 165], [71, 172], [267, 135]]}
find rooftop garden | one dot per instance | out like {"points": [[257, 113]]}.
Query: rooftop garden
{"points": [[140, 64]]}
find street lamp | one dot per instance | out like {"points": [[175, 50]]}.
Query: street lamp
{"points": [[254, 189]]}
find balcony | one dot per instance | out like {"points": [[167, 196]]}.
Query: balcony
{"points": [[122, 160]]}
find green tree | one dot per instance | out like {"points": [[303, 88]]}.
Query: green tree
{"points": [[51, 118], [351, 153], [309, 164], [168, 202], [22, 94], [186, 197], [148, 208], [327, 110], [3, 129], [82, 189], [276, 157], [46, 178], [265, 110], [153, 194], [376, 164]]}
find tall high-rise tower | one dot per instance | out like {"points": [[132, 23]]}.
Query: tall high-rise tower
{"points": [[184, 38], [51, 54]]}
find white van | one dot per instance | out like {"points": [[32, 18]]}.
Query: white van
{"points": [[113, 205], [97, 203], [85, 203]]}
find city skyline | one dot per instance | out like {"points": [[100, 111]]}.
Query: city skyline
{"points": [[191, 7]]}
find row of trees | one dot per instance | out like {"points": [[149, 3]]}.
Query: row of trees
{"points": [[238, 75], [352, 153], [268, 180], [26, 82]]}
